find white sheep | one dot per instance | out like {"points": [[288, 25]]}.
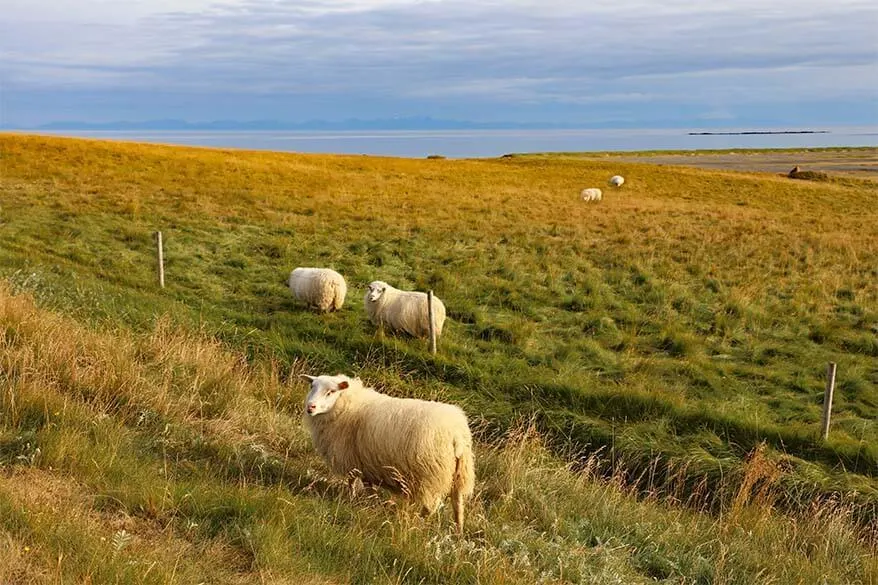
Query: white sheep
{"points": [[403, 310], [420, 448], [322, 288], [591, 194], [617, 180]]}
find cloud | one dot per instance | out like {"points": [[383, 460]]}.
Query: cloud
{"points": [[510, 51]]}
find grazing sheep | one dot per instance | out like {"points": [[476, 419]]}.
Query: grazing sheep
{"points": [[591, 194], [321, 288], [403, 310], [617, 180], [419, 448]]}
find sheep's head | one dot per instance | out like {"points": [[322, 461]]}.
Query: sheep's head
{"points": [[325, 390], [375, 290]]}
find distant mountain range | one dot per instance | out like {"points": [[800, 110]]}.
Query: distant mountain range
{"points": [[355, 124], [412, 123]]}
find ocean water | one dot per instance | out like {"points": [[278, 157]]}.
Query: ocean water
{"points": [[486, 143]]}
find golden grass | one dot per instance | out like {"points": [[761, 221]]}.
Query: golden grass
{"points": [[765, 221], [643, 298]]}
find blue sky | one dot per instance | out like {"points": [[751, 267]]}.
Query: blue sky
{"points": [[626, 62]]}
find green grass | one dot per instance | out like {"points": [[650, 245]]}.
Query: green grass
{"points": [[161, 457], [671, 330]]}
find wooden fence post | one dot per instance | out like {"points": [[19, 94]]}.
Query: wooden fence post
{"points": [[827, 399], [158, 237], [432, 323]]}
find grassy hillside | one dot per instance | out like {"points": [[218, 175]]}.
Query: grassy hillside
{"points": [[657, 339], [162, 457]]}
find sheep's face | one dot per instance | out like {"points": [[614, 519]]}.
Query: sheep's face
{"points": [[325, 390], [375, 290]]}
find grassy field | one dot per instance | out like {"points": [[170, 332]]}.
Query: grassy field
{"points": [[645, 375]]}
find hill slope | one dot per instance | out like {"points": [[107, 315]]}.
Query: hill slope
{"points": [[161, 457], [673, 328]]}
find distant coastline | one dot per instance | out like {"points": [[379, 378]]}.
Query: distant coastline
{"points": [[468, 143], [414, 123], [748, 132]]}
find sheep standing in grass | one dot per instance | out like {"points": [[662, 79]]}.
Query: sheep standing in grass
{"points": [[617, 180], [321, 288], [591, 194], [403, 310], [420, 448]]}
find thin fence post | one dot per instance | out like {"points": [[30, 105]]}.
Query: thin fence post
{"points": [[827, 399], [158, 237], [430, 317]]}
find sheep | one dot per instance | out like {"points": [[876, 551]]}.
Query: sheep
{"points": [[617, 180], [591, 194], [402, 310], [321, 288], [420, 448]]}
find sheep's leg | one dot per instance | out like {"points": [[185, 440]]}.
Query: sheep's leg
{"points": [[355, 483], [429, 504], [462, 476], [457, 504], [428, 508]]}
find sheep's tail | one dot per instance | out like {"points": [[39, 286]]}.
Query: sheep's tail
{"points": [[463, 482]]}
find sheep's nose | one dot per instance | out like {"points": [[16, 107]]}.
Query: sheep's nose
{"points": [[311, 408]]}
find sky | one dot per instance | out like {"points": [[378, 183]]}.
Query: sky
{"points": [[617, 63]]}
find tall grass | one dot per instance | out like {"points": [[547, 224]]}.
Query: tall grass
{"points": [[164, 456]]}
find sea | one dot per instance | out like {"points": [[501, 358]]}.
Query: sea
{"points": [[491, 143]]}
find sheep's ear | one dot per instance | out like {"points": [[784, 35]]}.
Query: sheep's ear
{"points": [[343, 384], [307, 377]]}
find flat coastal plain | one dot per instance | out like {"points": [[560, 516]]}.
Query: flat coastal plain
{"points": [[840, 162]]}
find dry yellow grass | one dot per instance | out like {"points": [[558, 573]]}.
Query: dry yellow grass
{"points": [[728, 222]]}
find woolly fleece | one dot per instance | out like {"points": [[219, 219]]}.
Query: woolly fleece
{"points": [[321, 288], [420, 448], [403, 310]]}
